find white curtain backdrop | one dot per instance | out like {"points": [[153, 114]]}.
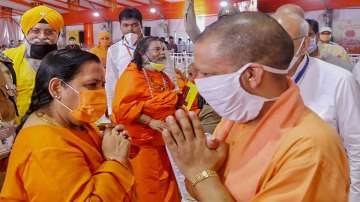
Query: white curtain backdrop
{"points": [[9, 30]]}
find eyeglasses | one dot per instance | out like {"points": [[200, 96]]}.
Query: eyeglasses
{"points": [[47, 32]]}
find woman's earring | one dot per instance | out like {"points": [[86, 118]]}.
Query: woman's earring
{"points": [[58, 97]]}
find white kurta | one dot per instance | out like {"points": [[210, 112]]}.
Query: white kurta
{"points": [[334, 95], [356, 72], [118, 58]]}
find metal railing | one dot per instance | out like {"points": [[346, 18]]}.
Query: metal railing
{"points": [[354, 58], [182, 61]]}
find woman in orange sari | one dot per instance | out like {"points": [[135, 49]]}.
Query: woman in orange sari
{"points": [[59, 155], [144, 97]]}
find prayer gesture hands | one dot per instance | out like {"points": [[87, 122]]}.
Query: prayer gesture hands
{"points": [[187, 143], [116, 144]]}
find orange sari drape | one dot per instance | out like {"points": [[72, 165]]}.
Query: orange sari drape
{"points": [[52, 163]]}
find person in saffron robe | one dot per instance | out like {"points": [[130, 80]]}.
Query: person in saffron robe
{"points": [[101, 49], [59, 155], [269, 145], [144, 97]]}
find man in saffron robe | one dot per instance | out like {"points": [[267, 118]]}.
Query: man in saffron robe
{"points": [[278, 149], [328, 90], [144, 97]]}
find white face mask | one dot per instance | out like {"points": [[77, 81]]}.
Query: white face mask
{"points": [[313, 46], [131, 39], [297, 54], [226, 96]]}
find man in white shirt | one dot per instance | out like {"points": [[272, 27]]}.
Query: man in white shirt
{"points": [[328, 90], [120, 54]]}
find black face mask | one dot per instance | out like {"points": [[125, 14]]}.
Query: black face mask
{"points": [[40, 51]]}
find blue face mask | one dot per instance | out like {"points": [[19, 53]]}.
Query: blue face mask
{"points": [[313, 45]]}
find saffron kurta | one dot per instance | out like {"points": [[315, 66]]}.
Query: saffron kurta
{"points": [[52, 163], [155, 180], [288, 155]]}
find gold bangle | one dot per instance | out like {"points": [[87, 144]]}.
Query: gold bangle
{"points": [[203, 175]]}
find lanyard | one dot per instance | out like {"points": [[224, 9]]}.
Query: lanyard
{"points": [[129, 49], [302, 71]]}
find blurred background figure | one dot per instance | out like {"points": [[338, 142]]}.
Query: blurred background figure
{"points": [[101, 49], [12, 44], [181, 45], [2, 48], [172, 45], [165, 42], [314, 50], [328, 47], [72, 44]]}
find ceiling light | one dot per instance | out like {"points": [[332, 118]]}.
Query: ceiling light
{"points": [[152, 10], [96, 14], [223, 4]]}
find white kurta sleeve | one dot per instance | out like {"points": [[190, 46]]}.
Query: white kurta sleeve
{"points": [[356, 72], [110, 79], [347, 105]]}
